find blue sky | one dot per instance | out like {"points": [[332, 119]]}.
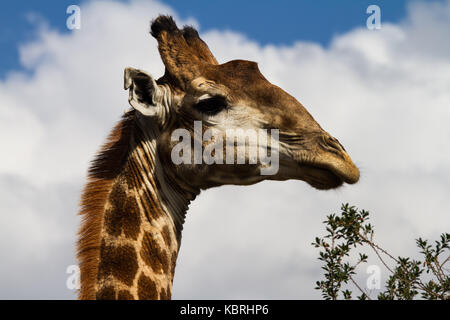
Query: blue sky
{"points": [[283, 23]]}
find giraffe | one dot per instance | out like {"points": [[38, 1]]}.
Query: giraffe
{"points": [[134, 204]]}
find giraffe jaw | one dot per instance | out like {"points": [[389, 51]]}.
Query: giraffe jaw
{"points": [[321, 178], [330, 174]]}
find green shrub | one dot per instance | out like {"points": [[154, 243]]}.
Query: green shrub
{"points": [[351, 230]]}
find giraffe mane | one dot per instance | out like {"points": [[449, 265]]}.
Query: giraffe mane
{"points": [[103, 170]]}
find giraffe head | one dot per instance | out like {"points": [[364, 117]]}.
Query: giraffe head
{"points": [[230, 96]]}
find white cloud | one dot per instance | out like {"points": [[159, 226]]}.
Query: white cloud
{"points": [[385, 94]]}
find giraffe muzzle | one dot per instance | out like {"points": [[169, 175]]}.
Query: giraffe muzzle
{"points": [[335, 158]]}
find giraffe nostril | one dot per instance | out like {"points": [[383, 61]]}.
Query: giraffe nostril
{"points": [[336, 144], [332, 145]]}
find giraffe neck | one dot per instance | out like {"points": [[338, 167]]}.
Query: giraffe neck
{"points": [[140, 229]]}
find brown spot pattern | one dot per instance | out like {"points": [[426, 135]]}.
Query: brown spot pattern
{"points": [[153, 255], [123, 215], [146, 288], [163, 294], [166, 236], [125, 295], [166, 294], [129, 176], [118, 261], [118, 195], [174, 262], [106, 293]]}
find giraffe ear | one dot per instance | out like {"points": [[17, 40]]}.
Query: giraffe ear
{"points": [[144, 93]]}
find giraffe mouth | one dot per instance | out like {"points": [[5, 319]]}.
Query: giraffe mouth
{"points": [[321, 177], [330, 169]]}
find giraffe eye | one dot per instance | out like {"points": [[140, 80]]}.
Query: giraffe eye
{"points": [[211, 106]]}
